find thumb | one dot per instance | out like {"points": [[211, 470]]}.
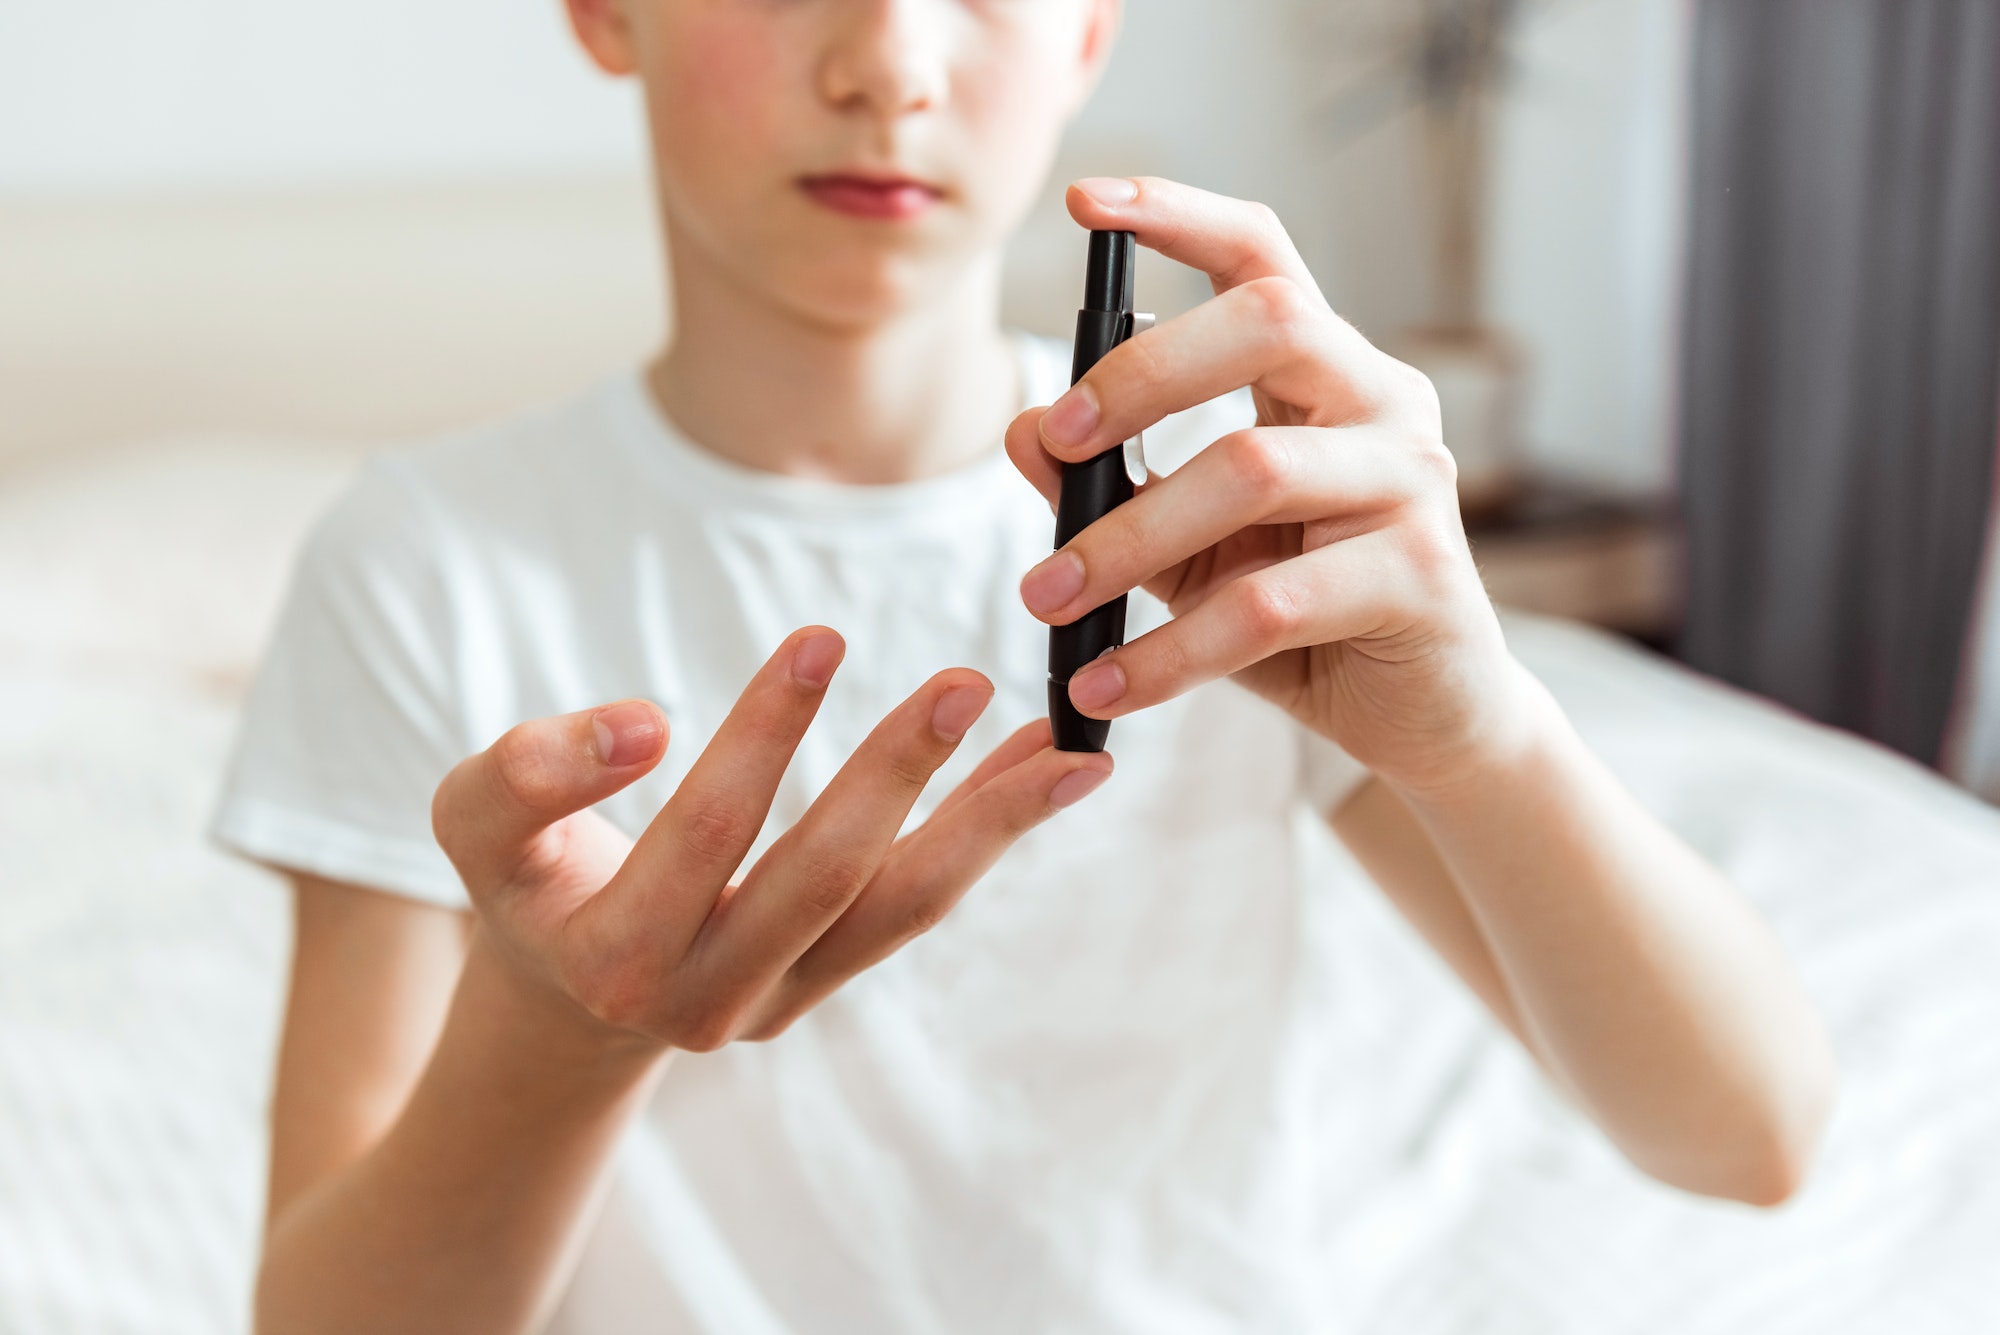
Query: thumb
{"points": [[1024, 447], [493, 807]]}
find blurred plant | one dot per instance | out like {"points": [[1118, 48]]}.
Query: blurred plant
{"points": [[1445, 60]]}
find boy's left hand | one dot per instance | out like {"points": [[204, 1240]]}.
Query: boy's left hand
{"points": [[1317, 557]]}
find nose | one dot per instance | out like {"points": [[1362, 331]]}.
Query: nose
{"points": [[888, 57]]}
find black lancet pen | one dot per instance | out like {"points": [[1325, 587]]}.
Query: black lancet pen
{"points": [[1091, 489]]}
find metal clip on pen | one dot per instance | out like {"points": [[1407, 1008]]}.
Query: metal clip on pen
{"points": [[1091, 489]]}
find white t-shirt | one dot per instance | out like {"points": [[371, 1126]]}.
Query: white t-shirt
{"points": [[1066, 1108]]}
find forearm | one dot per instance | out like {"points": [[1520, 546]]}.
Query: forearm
{"points": [[468, 1211], [1638, 973], [1384, 836]]}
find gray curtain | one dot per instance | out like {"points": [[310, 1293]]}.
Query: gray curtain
{"points": [[1841, 351]]}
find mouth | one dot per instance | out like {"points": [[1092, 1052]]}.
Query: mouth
{"points": [[866, 195]]}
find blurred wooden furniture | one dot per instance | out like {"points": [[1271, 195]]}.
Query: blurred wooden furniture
{"points": [[1611, 562]]}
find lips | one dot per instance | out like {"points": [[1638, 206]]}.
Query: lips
{"points": [[888, 198]]}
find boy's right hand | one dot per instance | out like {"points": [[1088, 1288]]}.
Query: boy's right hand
{"points": [[649, 942]]}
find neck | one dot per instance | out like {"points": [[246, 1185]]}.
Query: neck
{"points": [[766, 387]]}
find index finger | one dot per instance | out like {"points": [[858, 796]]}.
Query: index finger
{"points": [[1233, 241], [814, 870], [935, 865], [676, 871]]}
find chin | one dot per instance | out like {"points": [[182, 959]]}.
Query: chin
{"points": [[853, 287]]}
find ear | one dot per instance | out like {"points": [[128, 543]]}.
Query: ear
{"points": [[605, 34], [1100, 30]]}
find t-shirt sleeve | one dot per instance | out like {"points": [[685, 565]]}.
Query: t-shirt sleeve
{"points": [[351, 724], [1328, 776]]}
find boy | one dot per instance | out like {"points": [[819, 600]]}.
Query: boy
{"points": [[1066, 1106]]}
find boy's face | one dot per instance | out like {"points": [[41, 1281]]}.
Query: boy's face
{"points": [[846, 158]]}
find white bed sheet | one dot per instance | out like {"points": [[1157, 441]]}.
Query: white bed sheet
{"points": [[140, 976]]}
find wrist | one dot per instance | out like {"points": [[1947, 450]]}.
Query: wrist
{"points": [[1518, 725], [535, 1018]]}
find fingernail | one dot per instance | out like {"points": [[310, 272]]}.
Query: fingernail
{"points": [[1110, 191], [1071, 419], [815, 659], [958, 709], [1053, 584], [1076, 785], [1097, 686], [627, 733]]}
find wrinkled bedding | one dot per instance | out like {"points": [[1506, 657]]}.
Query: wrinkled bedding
{"points": [[141, 974]]}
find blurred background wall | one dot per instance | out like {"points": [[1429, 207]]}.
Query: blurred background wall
{"points": [[179, 93]]}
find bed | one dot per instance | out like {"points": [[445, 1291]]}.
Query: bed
{"points": [[141, 971]]}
